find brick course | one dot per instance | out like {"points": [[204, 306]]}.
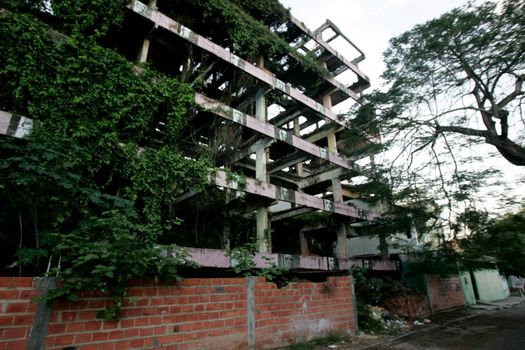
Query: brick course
{"points": [[192, 314], [445, 293]]}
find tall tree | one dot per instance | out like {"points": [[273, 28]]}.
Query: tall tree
{"points": [[461, 74], [502, 239]]}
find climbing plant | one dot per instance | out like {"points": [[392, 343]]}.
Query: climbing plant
{"points": [[250, 29], [243, 260], [92, 192], [89, 194]]}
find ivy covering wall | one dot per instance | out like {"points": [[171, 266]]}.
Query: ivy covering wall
{"points": [[250, 29], [90, 195], [87, 195]]}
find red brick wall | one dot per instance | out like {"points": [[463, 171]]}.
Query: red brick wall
{"points": [[192, 314], [301, 311], [16, 311], [445, 293]]}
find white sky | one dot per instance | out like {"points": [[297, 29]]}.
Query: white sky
{"points": [[370, 24]]}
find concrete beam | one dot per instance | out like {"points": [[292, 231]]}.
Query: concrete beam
{"points": [[265, 189], [289, 161], [290, 213], [15, 125], [217, 258], [323, 134], [350, 64], [272, 131], [264, 143], [186, 33], [334, 173]]}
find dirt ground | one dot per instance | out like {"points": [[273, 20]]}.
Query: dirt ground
{"points": [[461, 329]]}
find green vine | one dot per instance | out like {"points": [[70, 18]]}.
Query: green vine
{"points": [[251, 29], [91, 191], [108, 250], [239, 180], [89, 17], [244, 265]]}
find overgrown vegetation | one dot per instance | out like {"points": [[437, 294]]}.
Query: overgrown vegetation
{"points": [[368, 291], [250, 29], [244, 265], [500, 240], [453, 92], [463, 66], [89, 195], [372, 293], [441, 260], [97, 181]]}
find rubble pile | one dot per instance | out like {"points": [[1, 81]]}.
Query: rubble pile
{"points": [[390, 322]]}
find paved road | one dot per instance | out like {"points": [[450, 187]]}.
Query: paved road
{"points": [[495, 330]]}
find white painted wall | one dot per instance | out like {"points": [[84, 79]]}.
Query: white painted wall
{"points": [[369, 245], [489, 285]]}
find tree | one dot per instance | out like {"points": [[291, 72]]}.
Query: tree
{"points": [[502, 239], [460, 74]]}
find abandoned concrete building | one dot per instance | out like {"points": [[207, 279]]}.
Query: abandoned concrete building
{"points": [[259, 95], [273, 132], [279, 181], [268, 122]]}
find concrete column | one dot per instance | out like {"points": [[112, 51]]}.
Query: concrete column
{"points": [[37, 336], [264, 235], [261, 153], [332, 143], [143, 54], [299, 170], [260, 164], [327, 101], [342, 243], [337, 190], [250, 311], [341, 249], [261, 159], [303, 244]]}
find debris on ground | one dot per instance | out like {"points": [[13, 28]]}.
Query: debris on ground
{"points": [[390, 322]]}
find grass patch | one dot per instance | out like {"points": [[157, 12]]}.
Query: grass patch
{"points": [[312, 344]]}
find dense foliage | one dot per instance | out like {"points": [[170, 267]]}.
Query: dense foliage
{"points": [[453, 86], [500, 240], [369, 291], [89, 195], [460, 74], [249, 29]]}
